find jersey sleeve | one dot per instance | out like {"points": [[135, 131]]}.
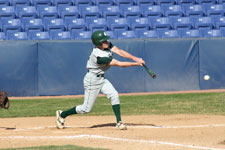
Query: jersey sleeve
{"points": [[104, 60], [111, 45]]}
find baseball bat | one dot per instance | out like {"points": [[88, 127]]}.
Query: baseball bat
{"points": [[152, 74]]}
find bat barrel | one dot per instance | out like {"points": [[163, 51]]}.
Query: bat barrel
{"points": [[153, 75]]}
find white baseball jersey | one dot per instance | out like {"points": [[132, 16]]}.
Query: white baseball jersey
{"points": [[92, 64]]}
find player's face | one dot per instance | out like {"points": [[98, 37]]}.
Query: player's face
{"points": [[105, 44]]}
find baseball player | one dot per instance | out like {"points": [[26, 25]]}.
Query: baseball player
{"points": [[100, 60]]}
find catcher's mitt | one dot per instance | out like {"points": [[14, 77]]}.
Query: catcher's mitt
{"points": [[4, 101]]}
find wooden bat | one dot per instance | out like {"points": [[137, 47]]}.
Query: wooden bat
{"points": [[152, 74]]}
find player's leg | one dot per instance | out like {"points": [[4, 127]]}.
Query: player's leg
{"points": [[89, 100], [92, 86], [90, 96], [112, 94]]}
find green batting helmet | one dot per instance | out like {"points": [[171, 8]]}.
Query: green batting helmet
{"points": [[98, 37]]}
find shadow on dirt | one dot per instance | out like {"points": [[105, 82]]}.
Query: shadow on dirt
{"points": [[8, 128], [114, 124]]}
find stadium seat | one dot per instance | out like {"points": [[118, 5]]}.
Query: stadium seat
{"points": [[75, 24], [146, 34], [82, 35], [62, 3], [26, 12], [185, 2], [83, 3], [53, 24], [39, 3], [125, 35], [16, 3], [210, 33], [161, 23], [17, 36], [165, 2], [140, 24], [168, 34], [2, 36], [152, 11], [58, 35], [68, 12], [144, 2], [206, 2], [32, 25], [97, 24], [7, 12], [90, 12], [221, 1], [181, 23], [124, 3], [131, 12], [111, 34], [214, 10], [47, 12], [193, 10], [104, 3], [0, 25], [172, 11], [39, 36], [118, 24], [189, 33], [219, 22], [11, 25], [223, 31], [110, 12], [4, 3], [203, 23]]}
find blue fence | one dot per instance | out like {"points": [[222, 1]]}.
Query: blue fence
{"points": [[31, 68]]}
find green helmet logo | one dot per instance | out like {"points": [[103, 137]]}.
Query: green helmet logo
{"points": [[98, 37]]}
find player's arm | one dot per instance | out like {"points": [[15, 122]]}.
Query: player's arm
{"points": [[115, 62], [125, 54]]}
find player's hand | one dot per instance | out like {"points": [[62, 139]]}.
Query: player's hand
{"points": [[140, 61]]}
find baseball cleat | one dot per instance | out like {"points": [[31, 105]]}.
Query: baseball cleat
{"points": [[59, 120], [121, 126]]}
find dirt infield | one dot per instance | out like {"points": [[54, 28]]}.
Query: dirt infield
{"points": [[154, 132]]}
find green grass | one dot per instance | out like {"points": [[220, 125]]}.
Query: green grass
{"points": [[65, 147], [197, 103]]}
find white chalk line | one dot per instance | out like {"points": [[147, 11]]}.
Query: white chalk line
{"points": [[108, 138], [139, 126], [177, 127], [34, 128]]}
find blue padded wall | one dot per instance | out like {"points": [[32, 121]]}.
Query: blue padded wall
{"points": [[129, 79], [58, 67], [175, 62], [62, 66], [19, 68], [212, 63]]}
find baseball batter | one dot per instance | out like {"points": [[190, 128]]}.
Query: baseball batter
{"points": [[100, 60]]}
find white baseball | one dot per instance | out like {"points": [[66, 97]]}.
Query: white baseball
{"points": [[206, 77]]}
